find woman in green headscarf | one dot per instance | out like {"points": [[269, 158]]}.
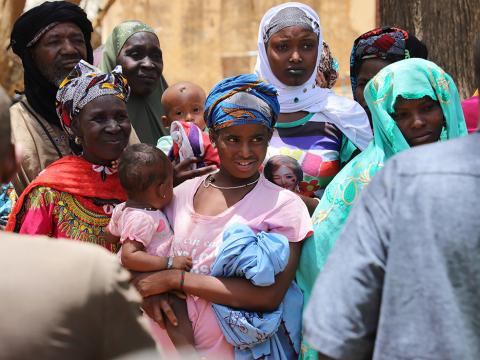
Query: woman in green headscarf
{"points": [[136, 47], [413, 102]]}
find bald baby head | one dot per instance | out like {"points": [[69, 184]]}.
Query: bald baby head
{"points": [[184, 101]]}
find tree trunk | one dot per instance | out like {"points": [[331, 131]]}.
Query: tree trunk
{"points": [[449, 28], [11, 74]]}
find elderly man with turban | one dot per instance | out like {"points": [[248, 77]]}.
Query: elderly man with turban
{"points": [[50, 39]]}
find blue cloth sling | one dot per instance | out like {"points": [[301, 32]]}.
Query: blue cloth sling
{"points": [[258, 258]]}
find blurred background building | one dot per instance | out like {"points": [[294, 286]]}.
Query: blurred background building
{"points": [[205, 40]]}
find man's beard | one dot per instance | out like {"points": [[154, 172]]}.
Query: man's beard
{"points": [[59, 77], [57, 73]]}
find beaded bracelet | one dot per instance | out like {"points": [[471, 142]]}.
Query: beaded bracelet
{"points": [[182, 280]]}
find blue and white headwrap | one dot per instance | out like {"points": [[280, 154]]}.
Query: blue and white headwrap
{"points": [[243, 99]]}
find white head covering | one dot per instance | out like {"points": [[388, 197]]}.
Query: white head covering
{"points": [[344, 113]]}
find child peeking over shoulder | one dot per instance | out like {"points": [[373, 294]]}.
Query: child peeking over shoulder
{"points": [[183, 104], [146, 175]]}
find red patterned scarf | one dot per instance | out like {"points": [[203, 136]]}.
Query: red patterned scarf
{"points": [[76, 176]]}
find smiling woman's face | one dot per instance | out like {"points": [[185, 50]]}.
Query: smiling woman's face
{"points": [[103, 128], [142, 62], [241, 148], [419, 120], [292, 55]]}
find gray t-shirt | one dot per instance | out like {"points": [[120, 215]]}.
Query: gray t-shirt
{"points": [[403, 280]]}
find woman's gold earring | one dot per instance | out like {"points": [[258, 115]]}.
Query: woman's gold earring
{"points": [[78, 141]]}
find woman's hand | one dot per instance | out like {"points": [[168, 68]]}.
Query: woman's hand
{"points": [[183, 172], [310, 203], [158, 307], [156, 283], [110, 238]]}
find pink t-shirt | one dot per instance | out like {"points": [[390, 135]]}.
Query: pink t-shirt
{"points": [[267, 207], [149, 227]]}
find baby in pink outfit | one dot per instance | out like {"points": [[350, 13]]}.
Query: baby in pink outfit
{"points": [[146, 175]]}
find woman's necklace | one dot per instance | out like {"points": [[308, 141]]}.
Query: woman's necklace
{"points": [[209, 181]]}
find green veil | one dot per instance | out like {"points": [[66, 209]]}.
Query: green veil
{"points": [[144, 113], [410, 79]]}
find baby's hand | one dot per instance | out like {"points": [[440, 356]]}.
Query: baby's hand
{"points": [[182, 263]]}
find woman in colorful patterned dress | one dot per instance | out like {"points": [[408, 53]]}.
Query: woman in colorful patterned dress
{"points": [[316, 127], [74, 197]]}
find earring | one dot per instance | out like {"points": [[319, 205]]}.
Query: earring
{"points": [[163, 196], [214, 145], [78, 141]]}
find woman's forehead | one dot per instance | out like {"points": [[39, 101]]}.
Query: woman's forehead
{"points": [[244, 130], [294, 32], [142, 38], [405, 102]]}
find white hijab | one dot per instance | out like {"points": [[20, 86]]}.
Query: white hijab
{"points": [[347, 115]]}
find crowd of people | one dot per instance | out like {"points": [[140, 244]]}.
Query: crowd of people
{"points": [[228, 216]]}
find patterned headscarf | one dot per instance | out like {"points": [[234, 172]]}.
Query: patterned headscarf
{"points": [[328, 66], [386, 43], [84, 84], [290, 16], [243, 99]]}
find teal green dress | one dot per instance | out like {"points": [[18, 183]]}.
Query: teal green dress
{"points": [[410, 79]]}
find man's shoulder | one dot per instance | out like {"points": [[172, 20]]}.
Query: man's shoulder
{"points": [[461, 156], [18, 107], [67, 253], [22, 112], [70, 285]]}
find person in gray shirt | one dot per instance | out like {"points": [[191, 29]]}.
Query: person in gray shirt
{"points": [[403, 279]]}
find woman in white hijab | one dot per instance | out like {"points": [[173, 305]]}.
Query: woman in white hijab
{"points": [[319, 129]]}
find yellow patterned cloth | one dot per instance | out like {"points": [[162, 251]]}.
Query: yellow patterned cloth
{"points": [[70, 217]]}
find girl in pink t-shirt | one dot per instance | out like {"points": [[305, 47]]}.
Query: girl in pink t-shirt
{"points": [[240, 113], [146, 175]]}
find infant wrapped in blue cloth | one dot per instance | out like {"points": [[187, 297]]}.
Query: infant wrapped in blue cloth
{"points": [[258, 258]]}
